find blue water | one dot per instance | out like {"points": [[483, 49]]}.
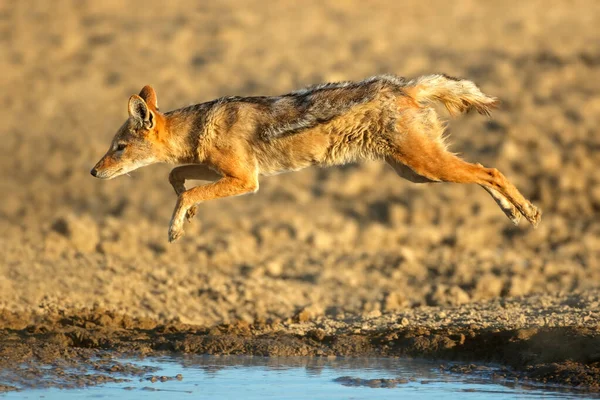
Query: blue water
{"points": [[246, 377]]}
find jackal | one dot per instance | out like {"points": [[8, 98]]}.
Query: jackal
{"points": [[231, 141]]}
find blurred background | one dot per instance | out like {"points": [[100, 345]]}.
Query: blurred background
{"points": [[355, 239]]}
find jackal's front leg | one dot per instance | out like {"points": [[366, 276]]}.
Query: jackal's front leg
{"points": [[225, 187], [179, 175]]}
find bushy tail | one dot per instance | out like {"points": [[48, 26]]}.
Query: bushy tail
{"points": [[458, 95]]}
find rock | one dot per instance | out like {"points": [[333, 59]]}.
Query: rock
{"points": [[488, 286], [520, 285], [317, 334], [274, 268], [394, 301], [321, 239], [458, 296], [82, 231], [309, 313], [444, 295]]}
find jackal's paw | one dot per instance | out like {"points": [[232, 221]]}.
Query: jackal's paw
{"points": [[533, 215], [175, 232], [190, 213], [510, 211], [514, 215]]}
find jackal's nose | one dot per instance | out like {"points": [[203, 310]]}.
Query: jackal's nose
{"points": [[94, 172]]}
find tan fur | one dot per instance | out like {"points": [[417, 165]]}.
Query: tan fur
{"points": [[232, 141]]}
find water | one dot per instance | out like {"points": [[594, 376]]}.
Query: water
{"points": [[246, 377]]}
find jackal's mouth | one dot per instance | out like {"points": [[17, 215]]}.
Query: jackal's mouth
{"points": [[109, 174]]}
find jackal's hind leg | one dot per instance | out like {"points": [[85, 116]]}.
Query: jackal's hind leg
{"points": [[179, 175], [405, 172], [493, 179], [506, 206], [426, 158]]}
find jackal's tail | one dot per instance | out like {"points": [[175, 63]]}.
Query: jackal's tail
{"points": [[458, 95]]}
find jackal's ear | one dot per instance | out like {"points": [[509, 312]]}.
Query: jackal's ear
{"points": [[149, 95], [138, 110]]}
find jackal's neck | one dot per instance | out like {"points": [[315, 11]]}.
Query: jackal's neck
{"points": [[184, 131]]}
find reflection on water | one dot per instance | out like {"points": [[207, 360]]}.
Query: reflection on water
{"points": [[312, 366], [247, 377]]}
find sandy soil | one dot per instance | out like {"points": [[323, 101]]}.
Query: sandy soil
{"points": [[338, 243]]}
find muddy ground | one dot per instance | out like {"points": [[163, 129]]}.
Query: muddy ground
{"points": [[343, 244], [543, 339]]}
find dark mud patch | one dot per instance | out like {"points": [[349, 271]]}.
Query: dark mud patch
{"points": [[372, 383], [80, 371], [7, 388], [81, 350], [164, 378]]}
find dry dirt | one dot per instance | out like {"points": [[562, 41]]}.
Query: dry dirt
{"points": [[351, 246]]}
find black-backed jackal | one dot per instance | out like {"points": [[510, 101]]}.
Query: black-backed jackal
{"points": [[233, 140]]}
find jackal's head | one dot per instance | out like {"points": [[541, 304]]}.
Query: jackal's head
{"points": [[138, 142]]}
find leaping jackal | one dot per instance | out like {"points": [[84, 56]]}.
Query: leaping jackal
{"points": [[231, 141]]}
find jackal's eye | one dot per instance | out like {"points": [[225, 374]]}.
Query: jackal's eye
{"points": [[121, 146]]}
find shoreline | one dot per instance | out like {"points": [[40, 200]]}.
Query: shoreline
{"points": [[523, 350]]}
